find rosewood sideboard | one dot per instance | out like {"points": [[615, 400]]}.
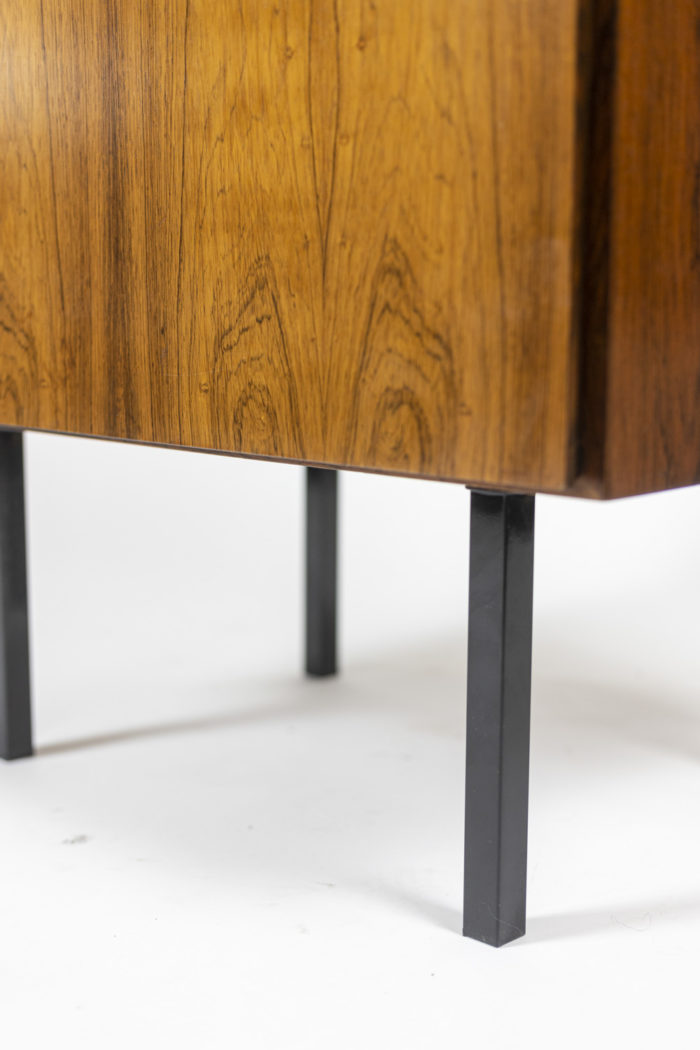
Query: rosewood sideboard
{"points": [[448, 239]]}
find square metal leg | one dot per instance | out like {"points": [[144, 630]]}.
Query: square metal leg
{"points": [[498, 715], [15, 707], [321, 571]]}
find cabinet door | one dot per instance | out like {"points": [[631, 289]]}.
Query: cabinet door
{"points": [[329, 231]]}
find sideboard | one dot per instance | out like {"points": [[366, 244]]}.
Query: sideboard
{"points": [[446, 239]]}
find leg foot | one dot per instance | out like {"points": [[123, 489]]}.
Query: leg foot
{"points": [[498, 715], [15, 710], [321, 571]]}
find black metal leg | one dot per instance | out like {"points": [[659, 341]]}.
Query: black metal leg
{"points": [[321, 570], [15, 710], [498, 715]]}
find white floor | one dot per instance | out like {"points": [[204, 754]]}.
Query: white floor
{"points": [[209, 851]]}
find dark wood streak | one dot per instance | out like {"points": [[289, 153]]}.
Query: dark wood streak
{"points": [[119, 407], [179, 303], [61, 319], [324, 102]]}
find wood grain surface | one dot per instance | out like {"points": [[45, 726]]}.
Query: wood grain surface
{"points": [[334, 231]]}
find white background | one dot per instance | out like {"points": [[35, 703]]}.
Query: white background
{"points": [[210, 851]]}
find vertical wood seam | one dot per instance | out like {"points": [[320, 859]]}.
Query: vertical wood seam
{"points": [[597, 56]]}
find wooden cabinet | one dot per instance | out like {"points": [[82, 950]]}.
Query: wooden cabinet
{"points": [[445, 238]]}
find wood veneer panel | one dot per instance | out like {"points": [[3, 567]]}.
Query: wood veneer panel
{"points": [[338, 233], [641, 402]]}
